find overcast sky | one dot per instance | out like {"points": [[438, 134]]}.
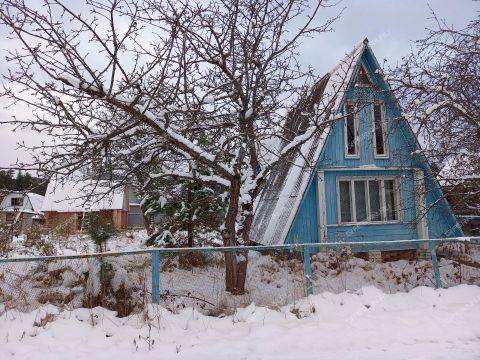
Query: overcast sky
{"points": [[391, 26]]}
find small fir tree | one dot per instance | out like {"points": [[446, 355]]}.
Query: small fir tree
{"points": [[100, 230], [185, 206]]}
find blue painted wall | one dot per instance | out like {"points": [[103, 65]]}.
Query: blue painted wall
{"points": [[400, 162], [305, 226]]}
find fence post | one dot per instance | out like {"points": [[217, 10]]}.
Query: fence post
{"points": [[436, 270], [308, 269], [155, 276]]}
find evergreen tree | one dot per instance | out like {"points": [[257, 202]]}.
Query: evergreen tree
{"points": [[21, 182], [185, 206]]}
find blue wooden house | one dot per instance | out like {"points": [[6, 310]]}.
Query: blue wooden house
{"points": [[364, 178]]}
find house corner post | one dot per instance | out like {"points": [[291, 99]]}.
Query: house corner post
{"points": [[155, 276], [308, 269], [321, 207]]}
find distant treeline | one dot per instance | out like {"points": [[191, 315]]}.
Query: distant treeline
{"points": [[21, 182]]}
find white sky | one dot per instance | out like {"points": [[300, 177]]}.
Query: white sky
{"points": [[389, 25]]}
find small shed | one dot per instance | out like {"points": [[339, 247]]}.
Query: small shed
{"points": [[21, 208], [68, 203]]}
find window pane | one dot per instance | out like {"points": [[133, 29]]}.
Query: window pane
{"points": [[345, 210], [374, 189], [351, 146], [378, 121], [390, 200], [360, 201]]}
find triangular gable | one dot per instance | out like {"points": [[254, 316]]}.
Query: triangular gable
{"points": [[280, 199], [362, 78]]}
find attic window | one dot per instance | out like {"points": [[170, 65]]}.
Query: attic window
{"points": [[16, 201], [362, 77], [351, 131], [379, 135]]}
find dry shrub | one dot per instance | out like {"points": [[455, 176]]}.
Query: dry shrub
{"points": [[6, 236], [338, 259], [168, 264], [36, 233], [284, 255], [65, 228], [49, 317], [192, 260], [54, 278], [56, 298], [122, 300]]}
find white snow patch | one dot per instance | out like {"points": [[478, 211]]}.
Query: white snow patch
{"points": [[367, 324]]}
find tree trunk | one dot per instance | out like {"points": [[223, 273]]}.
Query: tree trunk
{"points": [[190, 215], [148, 224], [235, 262]]}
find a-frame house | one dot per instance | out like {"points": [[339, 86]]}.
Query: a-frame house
{"points": [[363, 179]]}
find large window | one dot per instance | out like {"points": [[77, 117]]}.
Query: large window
{"points": [[368, 199], [379, 136], [351, 131]]}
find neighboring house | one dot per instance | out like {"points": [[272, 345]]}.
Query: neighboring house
{"points": [[363, 179], [21, 208], [69, 203]]}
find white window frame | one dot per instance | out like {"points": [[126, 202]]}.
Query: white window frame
{"points": [[397, 184], [345, 134], [384, 130]]}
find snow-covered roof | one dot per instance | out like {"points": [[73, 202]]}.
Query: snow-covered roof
{"points": [[36, 201], [80, 196], [280, 198], [32, 203]]}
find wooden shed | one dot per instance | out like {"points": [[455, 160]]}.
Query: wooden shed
{"points": [[68, 203]]}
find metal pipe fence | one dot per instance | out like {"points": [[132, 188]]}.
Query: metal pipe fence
{"points": [[276, 275]]}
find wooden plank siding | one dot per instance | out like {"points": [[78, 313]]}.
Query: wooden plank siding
{"points": [[71, 221], [402, 161]]}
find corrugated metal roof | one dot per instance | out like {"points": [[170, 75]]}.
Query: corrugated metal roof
{"points": [[281, 196]]}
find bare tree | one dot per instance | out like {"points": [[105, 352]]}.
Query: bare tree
{"points": [[438, 85], [157, 88]]}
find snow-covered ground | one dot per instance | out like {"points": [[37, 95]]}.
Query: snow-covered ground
{"points": [[75, 244], [363, 309], [366, 324]]}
